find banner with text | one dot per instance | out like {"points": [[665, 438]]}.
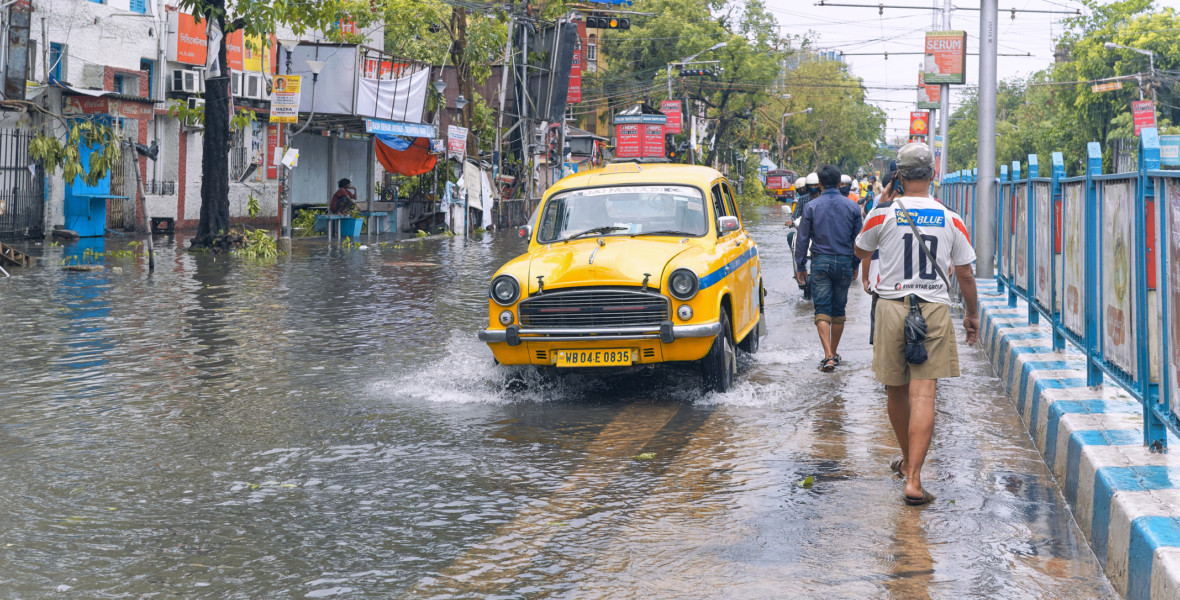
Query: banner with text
{"points": [[671, 109], [918, 123], [456, 142], [284, 102], [946, 57], [1143, 113], [929, 96]]}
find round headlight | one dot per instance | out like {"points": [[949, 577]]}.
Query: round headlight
{"points": [[683, 284], [506, 317], [505, 290]]}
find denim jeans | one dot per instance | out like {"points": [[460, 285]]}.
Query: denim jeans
{"points": [[831, 275]]}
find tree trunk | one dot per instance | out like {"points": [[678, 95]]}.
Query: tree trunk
{"points": [[215, 145]]}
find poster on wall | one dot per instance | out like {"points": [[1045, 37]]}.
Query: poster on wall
{"points": [[1118, 281], [1044, 250], [1020, 237], [1173, 279], [1073, 256]]}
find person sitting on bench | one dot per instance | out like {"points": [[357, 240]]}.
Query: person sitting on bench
{"points": [[344, 200]]}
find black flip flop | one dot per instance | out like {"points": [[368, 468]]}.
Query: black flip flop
{"points": [[895, 464], [926, 498]]}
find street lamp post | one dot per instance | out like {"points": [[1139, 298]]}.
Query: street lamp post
{"points": [[1151, 65], [782, 134]]}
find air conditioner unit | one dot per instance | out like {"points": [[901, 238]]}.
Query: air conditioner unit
{"points": [[235, 84], [254, 86], [186, 81], [195, 104]]}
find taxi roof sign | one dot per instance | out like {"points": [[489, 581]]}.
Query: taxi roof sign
{"points": [[622, 168]]}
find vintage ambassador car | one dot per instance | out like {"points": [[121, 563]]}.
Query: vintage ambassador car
{"points": [[630, 266]]}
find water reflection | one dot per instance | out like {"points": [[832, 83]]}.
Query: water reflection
{"points": [[327, 424]]}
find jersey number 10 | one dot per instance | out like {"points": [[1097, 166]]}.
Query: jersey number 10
{"points": [[925, 270]]}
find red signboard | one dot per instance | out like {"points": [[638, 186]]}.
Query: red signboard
{"points": [[1143, 112], [630, 143], [575, 91], [272, 142], [653, 140], [918, 123], [777, 182], [671, 108], [100, 105]]}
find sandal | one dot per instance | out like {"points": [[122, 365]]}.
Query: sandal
{"points": [[895, 464], [837, 359], [926, 498], [828, 365]]}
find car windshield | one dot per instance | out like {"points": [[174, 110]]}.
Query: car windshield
{"points": [[624, 210]]}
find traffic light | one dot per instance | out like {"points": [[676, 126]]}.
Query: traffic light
{"points": [[606, 22], [699, 72], [670, 147]]}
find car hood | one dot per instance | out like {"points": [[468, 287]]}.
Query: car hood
{"points": [[618, 261]]}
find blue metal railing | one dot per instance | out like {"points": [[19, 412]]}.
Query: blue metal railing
{"points": [[1098, 257]]}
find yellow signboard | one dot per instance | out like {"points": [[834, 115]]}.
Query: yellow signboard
{"points": [[1106, 87], [284, 102]]}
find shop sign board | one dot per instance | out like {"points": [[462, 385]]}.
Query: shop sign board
{"points": [[416, 130], [101, 105], [946, 57], [1170, 150], [1106, 87], [284, 101]]}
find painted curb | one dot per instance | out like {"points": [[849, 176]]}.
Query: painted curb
{"points": [[1125, 499]]}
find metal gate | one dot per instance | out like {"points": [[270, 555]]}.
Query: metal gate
{"points": [[22, 188], [122, 184]]}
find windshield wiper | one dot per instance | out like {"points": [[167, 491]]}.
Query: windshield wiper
{"points": [[663, 232], [607, 229]]}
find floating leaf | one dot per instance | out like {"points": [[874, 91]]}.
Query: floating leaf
{"points": [[646, 456], [808, 482]]}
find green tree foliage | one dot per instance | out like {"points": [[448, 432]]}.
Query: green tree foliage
{"points": [[96, 140], [1055, 109], [743, 106]]}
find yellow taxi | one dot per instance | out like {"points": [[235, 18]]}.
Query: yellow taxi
{"points": [[630, 266]]}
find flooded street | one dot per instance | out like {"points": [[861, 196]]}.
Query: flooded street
{"points": [[327, 425]]}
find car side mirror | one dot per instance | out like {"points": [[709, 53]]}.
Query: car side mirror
{"points": [[525, 232], [728, 225]]}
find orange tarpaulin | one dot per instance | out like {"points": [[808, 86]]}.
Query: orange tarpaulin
{"points": [[414, 160]]}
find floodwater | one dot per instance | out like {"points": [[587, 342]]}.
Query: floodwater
{"points": [[327, 425]]}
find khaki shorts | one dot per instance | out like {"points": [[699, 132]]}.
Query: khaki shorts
{"points": [[889, 363]]}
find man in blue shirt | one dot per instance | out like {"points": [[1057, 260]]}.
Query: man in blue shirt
{"points": [[829, 226]]}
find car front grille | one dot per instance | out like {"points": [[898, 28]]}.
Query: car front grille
{"points": [[590, 309]]}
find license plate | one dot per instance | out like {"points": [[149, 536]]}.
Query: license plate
{"points": [[593, 358]]}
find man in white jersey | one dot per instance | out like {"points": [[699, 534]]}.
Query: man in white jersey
{"points": [[909, 278]]}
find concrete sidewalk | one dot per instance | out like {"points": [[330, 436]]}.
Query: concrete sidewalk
{"points": [[1125, 499]]}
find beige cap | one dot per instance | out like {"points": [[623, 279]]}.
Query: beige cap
{"points": [[914, 155]]}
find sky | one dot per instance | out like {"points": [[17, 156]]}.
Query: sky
{"points": [[892, 82]]}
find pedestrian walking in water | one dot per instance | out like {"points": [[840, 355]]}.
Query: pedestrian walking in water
{"points": [[828, 226], [919, 241], [870, 268]]}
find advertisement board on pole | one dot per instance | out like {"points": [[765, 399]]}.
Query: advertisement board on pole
{"points": [[1106, 87], [946, 57], [671, 109], [929, 96], [284, 101], [1170, 150], [653, 140], [1143, 113], [918, 123], [457, 142]]}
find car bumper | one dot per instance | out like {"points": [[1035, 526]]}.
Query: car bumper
{"points": [[667, 332]]}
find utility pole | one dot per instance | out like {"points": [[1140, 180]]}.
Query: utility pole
{"points": [[944, 107], [985, 240]]}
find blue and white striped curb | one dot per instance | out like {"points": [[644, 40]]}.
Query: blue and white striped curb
{"points": [[1126, 500]]}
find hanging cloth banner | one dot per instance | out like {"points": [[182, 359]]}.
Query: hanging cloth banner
{"points": [[214, 35], [416, 159], [402, 99]]}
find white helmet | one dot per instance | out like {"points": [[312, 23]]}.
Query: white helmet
{"points": [[845, 180], [812, 179]]}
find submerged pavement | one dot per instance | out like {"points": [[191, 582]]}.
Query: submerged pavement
{"points": [[328, 427]]}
